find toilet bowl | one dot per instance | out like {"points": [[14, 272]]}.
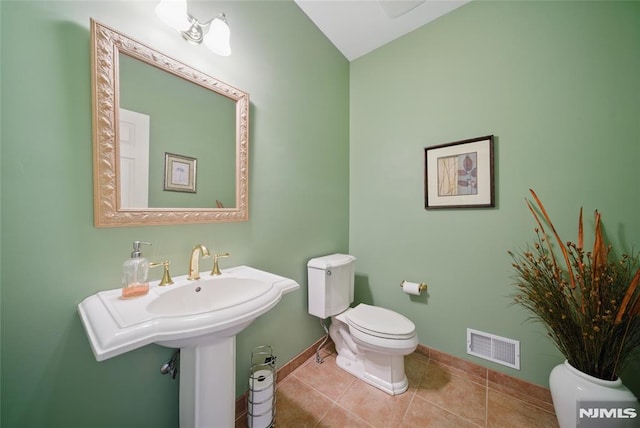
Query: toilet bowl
{"points": [[371, 341]]}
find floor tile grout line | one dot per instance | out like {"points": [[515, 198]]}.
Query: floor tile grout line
{"points": [[315, 389], [320, 392], [317, 422], [299, 379], [447, 410], [461, 375], [486, 404], [514, 397], [404, 416], [354, 415], [334, 403], [444, 409]]}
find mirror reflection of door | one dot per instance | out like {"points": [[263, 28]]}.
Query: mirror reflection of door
{"points": [[134, 159]]}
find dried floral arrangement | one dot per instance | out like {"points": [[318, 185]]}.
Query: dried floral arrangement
{"points": [[589, 302]]}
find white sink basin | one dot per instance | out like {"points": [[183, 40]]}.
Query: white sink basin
{"points": [[178, 315], [208, 295]]}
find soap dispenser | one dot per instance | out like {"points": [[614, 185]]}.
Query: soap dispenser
{"points": [[135, 272]]}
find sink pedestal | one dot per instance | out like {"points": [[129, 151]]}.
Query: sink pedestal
{"points": [[208, 384]]}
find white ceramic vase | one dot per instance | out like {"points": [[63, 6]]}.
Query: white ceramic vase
{"points": [[569, 385]]}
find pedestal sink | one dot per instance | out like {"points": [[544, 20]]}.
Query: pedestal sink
{"points": [[201, 318]]}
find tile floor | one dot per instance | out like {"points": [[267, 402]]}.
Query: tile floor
{"points": [[323, 395]]}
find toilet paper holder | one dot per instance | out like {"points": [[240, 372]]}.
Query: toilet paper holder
{"points": [[261, 399], [422, 286]]}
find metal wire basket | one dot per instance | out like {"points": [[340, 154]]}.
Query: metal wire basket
{"points": [[261, 401]]}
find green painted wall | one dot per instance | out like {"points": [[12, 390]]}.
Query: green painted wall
{"points": [[558, 84], [53, 256]]}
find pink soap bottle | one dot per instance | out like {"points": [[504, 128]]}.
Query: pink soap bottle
{"points": [[135, 273]]}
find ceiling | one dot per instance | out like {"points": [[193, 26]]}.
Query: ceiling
{"points": [[357, 27]]}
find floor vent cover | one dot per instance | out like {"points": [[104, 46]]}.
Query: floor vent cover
{"points": [[494, 348]]}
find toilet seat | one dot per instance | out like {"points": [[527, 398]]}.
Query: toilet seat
{"points": [[380, 322]]}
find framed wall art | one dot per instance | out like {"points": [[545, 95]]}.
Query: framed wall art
{"points": [[179, 173], [460, 174]]}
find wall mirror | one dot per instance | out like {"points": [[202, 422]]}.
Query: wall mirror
{"points": [[170, 143]]}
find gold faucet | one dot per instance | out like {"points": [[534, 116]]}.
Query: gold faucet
{"points": [[197, 252], [216, 268]]}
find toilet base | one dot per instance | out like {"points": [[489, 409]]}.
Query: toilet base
{"points": [[383, 370], [375, 375]]}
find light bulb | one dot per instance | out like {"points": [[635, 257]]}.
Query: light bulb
{"points": [[174, 14], [217, 39]]}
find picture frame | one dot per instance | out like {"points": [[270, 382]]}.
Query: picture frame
{"points": [[460, 174], [179, 173]]}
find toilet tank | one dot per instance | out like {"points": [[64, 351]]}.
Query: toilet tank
{"points": [[331, 280]]}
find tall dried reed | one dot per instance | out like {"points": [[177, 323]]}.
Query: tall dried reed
{"points": [[589, 301]]}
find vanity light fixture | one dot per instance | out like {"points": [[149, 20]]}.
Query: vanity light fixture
{"points": [[214, 33]]}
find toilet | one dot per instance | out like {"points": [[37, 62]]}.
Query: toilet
{"points": [[371, 341]]}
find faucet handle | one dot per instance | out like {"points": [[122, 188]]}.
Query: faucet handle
{"points": [[216, 268], [166, 276]]}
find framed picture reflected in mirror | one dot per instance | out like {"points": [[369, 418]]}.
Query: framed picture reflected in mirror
{"points": [[179, 173]]}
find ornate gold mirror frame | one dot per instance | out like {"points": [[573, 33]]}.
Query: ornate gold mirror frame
{"points": [[107, 44]]}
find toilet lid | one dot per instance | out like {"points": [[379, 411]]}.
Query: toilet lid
{"points": [[380, 322]]}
